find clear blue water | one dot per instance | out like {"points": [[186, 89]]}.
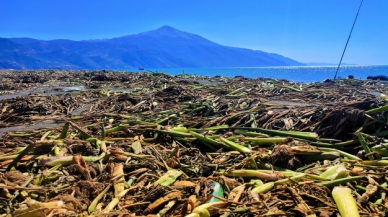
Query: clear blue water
{"points": [[295, 73]]}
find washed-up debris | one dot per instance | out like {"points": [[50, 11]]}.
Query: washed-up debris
{"points": [[175, 147]]}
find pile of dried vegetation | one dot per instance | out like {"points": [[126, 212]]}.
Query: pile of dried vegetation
{"points": [[152, 144]]}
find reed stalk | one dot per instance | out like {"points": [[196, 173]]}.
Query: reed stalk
{"points": [[365, 146], [342, 153], [302, 135], [341, 181], [235, 146]]}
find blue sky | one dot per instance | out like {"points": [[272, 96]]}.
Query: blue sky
{"points": [[305, 30]]}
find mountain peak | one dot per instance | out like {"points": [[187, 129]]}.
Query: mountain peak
{"points": [[166, 28], [167, 31]]}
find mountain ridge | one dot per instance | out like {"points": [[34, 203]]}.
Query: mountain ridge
{"points": [[165, 47]]}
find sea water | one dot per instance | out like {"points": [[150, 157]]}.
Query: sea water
{"points": [[295, 73]]}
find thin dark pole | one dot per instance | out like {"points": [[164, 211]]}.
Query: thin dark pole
{"points": [[335, 76]]}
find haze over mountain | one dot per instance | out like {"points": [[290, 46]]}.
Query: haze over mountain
{"points": [[165, 47]]}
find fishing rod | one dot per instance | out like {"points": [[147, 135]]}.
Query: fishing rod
{"points": [[335, 76]]}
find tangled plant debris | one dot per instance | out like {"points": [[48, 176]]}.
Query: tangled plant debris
{"points": [[152, 144]]}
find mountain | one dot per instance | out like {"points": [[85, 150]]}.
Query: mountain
{"points": [[286, 60], [165, 47], [17, 56]]}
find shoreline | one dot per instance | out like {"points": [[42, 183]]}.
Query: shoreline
{"points": [[306, 74]]}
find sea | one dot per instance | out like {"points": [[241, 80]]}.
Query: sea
{"points": [[295, 73]]}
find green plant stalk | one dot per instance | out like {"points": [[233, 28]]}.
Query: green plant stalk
{"points": [[98, 141], [328, 140], [303, 135], [217, 127], [295, 178], [207, 209], [335, 172], [235, 146], [114, 202], [262, 190], [203, 138], [346, 204], [57, 150], [19, 150], [381, 150], [379, 201], [303, 168], [351, 142], [318, 143], [166, 111], [342, 153], [198, 109], [116, 129], [317, 177], [131, 180], [233, 138], [166, 119], [103, 132], [266, 140], [360, 187], [236, 91], [365, 146], [341, 181], [19, 135], [23, 185], [4, 158], [291, 88], [376, 162], [269, 167], [376, 110], [374, 119], [65, 129], [39, 180], [175, 133], [169, 177], [180, 129]]}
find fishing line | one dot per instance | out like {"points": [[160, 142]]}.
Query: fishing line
{"points": [[335, 76]]}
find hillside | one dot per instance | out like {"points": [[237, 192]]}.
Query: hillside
{"points": [[165, 47]]}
